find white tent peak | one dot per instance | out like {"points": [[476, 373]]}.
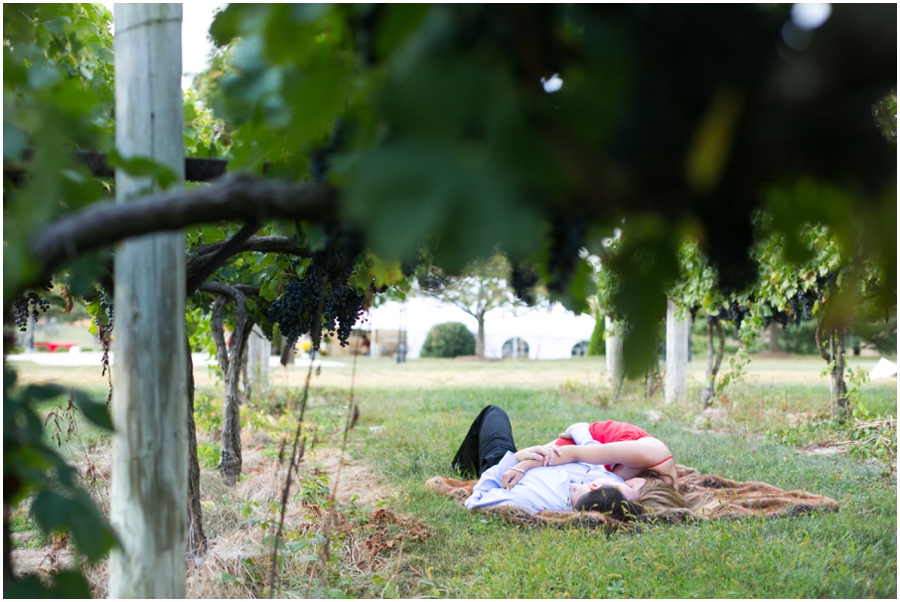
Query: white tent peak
{"points": [[883, 369]]}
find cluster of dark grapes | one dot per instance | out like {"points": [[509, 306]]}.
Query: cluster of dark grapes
{"points": [[21, 313], [343, 307], [735, 313], [296, 309], [825, 283], [567, 234], [792, 315], [799, 307], [322, 294], [808, 300], [523, 278]]}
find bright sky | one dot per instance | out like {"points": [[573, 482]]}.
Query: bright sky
{"points": [[197, 17]]}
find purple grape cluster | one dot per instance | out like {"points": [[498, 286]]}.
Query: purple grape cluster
{"points": [[323, 297]]}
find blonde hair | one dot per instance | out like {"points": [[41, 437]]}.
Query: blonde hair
{"points": [[658, 495]]}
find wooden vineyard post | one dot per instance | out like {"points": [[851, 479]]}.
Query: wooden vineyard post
{"points": [[615, 367], [678, 332], [150, 447]]}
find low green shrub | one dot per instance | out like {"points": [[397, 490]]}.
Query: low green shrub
{"points": [[450, 339]]}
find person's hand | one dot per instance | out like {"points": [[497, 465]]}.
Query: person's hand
{"points": [[567, 434], [512, 476], [538, 453]]}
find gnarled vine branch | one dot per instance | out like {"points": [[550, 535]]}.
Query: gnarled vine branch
{"points": [[234, 197], [230, 453], [259, 244], [221, 255]]}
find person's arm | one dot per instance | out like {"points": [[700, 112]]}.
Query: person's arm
{"points": [[492, 477], [539, 453], [636, 455], [633, 454]]}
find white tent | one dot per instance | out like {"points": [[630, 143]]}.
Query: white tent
{"points": [[883, 369], [546, 333]]}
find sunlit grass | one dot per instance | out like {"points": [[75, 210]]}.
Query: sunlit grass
{"points": [[426, 407], [850, 553]]}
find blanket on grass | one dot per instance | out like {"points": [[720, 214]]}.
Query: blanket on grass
{"points": [[725, 499]]}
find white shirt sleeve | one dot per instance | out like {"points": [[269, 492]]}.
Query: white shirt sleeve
{"points": [[582, 436], [490, 479]]}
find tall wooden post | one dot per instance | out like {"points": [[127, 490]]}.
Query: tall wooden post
{"points": [[678, 334], [150, 447], [615, 366], [258, 352]]}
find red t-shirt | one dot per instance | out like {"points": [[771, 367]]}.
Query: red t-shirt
{"points": [[611, 431]]}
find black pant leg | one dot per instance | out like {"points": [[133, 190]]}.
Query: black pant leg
{"points": [[467, 460], [488, 440]]}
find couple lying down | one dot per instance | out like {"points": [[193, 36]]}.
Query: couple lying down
{"points": [[608, 466]]}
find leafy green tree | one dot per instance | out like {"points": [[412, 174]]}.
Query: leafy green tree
{"points": [[480, 288], [839, 283]]}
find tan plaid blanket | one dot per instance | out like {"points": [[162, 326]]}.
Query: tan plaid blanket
{"points": [[726, 499]]}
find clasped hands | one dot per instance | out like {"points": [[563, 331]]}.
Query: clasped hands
{"points": [[531, 457]]}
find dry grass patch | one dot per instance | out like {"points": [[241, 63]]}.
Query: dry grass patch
{"points": [[333, 530]]}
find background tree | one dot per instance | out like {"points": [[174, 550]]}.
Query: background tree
{"points": [[481, 287]]}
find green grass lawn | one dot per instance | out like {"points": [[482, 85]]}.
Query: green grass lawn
{"points": [[426, 407], [849, 553]]}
